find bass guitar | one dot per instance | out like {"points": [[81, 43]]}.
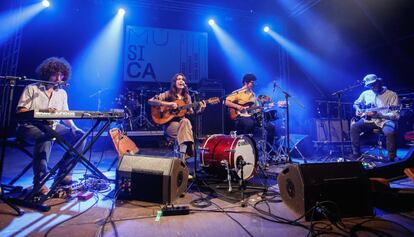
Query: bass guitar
{"points": [[163, 114]]}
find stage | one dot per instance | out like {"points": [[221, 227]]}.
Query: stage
{"points": [[220, 213]]}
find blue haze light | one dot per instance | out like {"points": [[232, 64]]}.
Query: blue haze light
{"points": [[12, 21], [239, 59], [98, 68]]}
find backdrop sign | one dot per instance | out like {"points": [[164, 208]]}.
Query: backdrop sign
{"points": [[155, 54]]}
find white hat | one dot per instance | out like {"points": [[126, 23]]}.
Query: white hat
{"points": [[370, 78]]}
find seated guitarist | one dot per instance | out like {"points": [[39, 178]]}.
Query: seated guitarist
{"points": [[242, 100], [178, 128], [381, 98]]}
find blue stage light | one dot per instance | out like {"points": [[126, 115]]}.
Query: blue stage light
{"points": [[211, 22], [45, 3], [121, 11], [266, 29]]}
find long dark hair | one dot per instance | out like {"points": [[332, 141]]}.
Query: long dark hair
{"points": [[53, 65], [173, 88]]}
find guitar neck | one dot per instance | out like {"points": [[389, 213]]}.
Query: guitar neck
{"points": [[381, 108], [187, 106]]}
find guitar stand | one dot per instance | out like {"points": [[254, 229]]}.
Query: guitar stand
{"points": [[32, 200]]}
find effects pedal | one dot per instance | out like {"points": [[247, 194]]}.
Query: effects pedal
{"points": [[84, 196]]}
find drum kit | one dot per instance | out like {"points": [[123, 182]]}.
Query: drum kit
{"points": [[134, 103], [239, 157]]}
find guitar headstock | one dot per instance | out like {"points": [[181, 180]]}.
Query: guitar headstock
{"points": [[213, 100]]}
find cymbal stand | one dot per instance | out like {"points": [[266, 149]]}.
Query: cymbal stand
{"points": [[263, 144], [142, 118]]}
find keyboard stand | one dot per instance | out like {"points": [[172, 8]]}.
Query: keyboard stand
{"points": [[76, 158]]}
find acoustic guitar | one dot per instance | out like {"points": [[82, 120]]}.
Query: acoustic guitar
{"points": [[163, 114]]}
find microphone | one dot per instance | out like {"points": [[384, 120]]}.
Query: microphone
{"points": [[190, 90], [62, 83]]}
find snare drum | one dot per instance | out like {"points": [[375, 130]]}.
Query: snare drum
{"points": [[219, 148]]}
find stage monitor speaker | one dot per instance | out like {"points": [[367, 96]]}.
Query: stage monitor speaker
{"points": [[345, 184], [150, 178]]}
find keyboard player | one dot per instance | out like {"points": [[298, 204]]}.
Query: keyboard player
{"points": [[47, 97]]}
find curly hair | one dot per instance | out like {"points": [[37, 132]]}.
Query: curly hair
{"points": [[52, 66], [248, 77], [173, 88]]}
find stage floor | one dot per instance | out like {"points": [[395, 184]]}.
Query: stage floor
{"points": [[218, 212]]}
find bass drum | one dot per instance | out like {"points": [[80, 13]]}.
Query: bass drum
{"points": [[218, 149]]}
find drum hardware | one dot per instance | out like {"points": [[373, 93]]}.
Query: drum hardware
{"points": [[142, 118], [134, 105], [240, 164], [282, 150], [263, 144], [225, 163], [225, 147]]}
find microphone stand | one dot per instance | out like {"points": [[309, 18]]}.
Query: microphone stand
{"points": [[287, 132], [99, 94], [6, 104], [338, 94], [195, 95]]}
